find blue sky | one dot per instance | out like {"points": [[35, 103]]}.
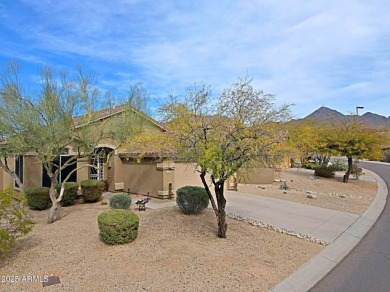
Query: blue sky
{"points": [[309, 53]]}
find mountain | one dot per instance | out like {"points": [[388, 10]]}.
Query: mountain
{"points": [[374, 119], [370, 119], [324, 113]]}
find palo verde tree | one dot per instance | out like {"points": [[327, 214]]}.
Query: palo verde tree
{"points": [[351, 138], [224, 134], [304, 139], [42, 122]]}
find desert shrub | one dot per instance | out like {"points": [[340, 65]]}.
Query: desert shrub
{"points": [[118, 226], [120, 201], [324, 171], [38, 198], [339, 165], [70, 193], [92, 190], [283, 186], [356, 171], [192, 200], [14, 222]]}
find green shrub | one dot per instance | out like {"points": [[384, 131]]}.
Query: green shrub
{"points": [[324, 171], [70, 193], [192, 200], [92, 190], [38, 198], [14, 220], [339, 165], [284, 186], [120, 201], [118, 226]]}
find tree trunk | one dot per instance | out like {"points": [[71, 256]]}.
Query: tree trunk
{"points": [[4, 166], [221, 216], [346, 176], [54, 208], [203, 178], [221, 202]]}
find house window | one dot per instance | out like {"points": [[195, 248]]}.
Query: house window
{"points": [[19, 168], [63, 173]]}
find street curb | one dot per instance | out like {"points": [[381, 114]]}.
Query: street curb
{"points": [[321, 264]]}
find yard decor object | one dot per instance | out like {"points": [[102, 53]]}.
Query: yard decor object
{"points": [[120, 201], [70, 193], [118, 226], [192, 200], [38, 198], [92, 190], [141, 204]]}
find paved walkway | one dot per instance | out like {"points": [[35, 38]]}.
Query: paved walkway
{"points": [[320, 223]]}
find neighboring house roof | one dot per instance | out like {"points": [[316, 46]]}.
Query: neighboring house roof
{"points": [[78, 121]]}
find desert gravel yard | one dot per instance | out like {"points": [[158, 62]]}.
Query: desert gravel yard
{"points": [[173, 252], [331, 193]]}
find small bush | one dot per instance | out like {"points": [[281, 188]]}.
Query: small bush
{"points": [[38, 198], [120, 201], [92, 190], [192, 200], [324, 171], [339, 165], [356, 171], [118, 226], [14, 221], [70, 193], [284, 186]]}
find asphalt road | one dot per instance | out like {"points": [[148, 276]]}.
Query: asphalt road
{"points": [[367, 266]]}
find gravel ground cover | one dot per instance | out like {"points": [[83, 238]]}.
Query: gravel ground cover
{"points": [[331, 193], [174, 252]]}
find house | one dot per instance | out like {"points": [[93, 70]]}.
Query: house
{"points": [[152, 175]]}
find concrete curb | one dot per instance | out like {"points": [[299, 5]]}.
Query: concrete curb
{"points": [[320, 265]]}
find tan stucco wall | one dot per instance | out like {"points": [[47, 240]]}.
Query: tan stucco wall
{"points": [[82, 172], [32, 172], [141, 178], [256, 176], [8, 179], [186, 175]]}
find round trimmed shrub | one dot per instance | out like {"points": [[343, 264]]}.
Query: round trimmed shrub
{"points": [[70, 193], [92, 190], [118, 226], [324, 171], [38, 198], [192, 200], [120, 201]]}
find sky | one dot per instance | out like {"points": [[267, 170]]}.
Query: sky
{"points": [[308, 53]]}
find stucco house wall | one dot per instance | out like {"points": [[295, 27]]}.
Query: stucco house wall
{"points": [[256, 176], [32, 176]]}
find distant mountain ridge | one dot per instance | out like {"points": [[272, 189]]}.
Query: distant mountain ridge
{"points": [[371, 119]]}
